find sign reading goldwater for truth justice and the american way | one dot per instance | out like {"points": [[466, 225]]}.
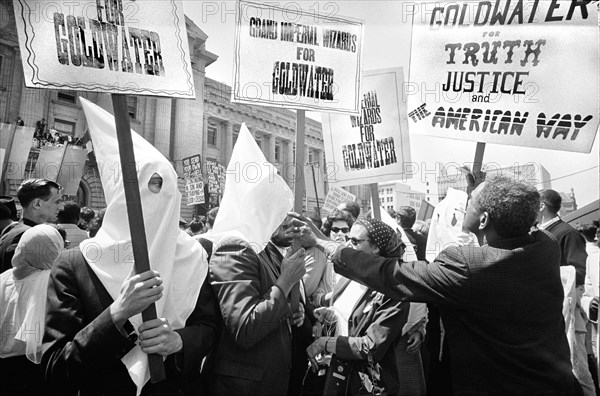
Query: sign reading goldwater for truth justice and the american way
{"points": [[119, 46], [299, 59], [373, 146], [514, 72]]}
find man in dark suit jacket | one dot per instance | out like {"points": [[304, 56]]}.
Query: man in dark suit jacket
{"points": [[85, 336], [572, 252], [254, 353], [501, 303], [41, 202], [407, 216]]}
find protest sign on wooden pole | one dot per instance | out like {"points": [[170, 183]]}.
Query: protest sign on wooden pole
{"points": [[135, 215], [91, 60]]}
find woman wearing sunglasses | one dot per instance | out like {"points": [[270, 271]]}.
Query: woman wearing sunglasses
{"points": [[370, 329], [337, 226]]}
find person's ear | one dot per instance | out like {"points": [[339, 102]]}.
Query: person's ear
{"points": [[484, 220], [36, 203], [542, 206], [375, 248]]}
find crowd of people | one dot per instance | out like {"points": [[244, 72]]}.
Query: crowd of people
{"points": [[329, 306], [49, 136]]}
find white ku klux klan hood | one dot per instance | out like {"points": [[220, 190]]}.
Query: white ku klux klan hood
{"points": [[178, 258], [256, 198]]}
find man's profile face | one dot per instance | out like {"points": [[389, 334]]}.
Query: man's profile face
{"points": [[471, 221], [49, 208]]}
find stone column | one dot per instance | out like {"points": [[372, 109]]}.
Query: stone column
{"points": [[187, 138], [105, 101], [271, 150], [288, 168], [228, 149], [162, 126], [149, 118]]}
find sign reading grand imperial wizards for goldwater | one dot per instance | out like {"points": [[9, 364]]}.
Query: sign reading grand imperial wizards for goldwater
{"points": [[297, 59], [514, 72], [118, 46]]}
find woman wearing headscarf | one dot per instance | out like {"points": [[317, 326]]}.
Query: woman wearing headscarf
{"points": [[23, 292], [370, 329]]}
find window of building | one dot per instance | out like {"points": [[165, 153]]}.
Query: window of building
{"points": [[311, 155], [66, 97], [64, 126], [277, 151], [235, 137], [211, 134], [132, 106]]}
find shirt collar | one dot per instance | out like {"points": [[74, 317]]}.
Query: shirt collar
{"points": [[547, 224]]}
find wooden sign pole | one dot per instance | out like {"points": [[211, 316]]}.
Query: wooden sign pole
{"points": [[134, 214], [299, 188], [476, 177], [375, 201]]}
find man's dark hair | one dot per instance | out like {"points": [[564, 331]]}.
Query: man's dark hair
{"points": [[552, 200], [35, 188], [512, 205], [588, 231], [10, 204], [196, 225], [211, 215], [86, 214], [5, 212], [352, 207], [96, 223], [70, 213], [407, 216]]}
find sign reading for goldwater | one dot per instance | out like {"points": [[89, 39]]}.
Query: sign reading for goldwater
{"points": [[117, 46], [373, 146], [520, 73], [288, 57]]}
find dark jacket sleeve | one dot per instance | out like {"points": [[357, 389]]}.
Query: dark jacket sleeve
{"points": [[445, 281], [385, 327], [74, 353], [200, 332], [249, 313], [573, 250]]}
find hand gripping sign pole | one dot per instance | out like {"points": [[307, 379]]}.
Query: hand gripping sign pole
{"points": [[134, 215]]}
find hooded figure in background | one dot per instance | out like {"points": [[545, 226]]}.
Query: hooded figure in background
{"points": [[22, 309], [95, 340]]}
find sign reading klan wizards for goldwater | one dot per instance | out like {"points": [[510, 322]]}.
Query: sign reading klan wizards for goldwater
{"points": [[514, 72], [119, 46], [294, 58], [373, 146]]}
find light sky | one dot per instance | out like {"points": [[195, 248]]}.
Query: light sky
{"points": [[386, 44]]}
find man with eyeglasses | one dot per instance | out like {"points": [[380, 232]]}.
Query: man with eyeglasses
{"points": [[501, 302]]}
